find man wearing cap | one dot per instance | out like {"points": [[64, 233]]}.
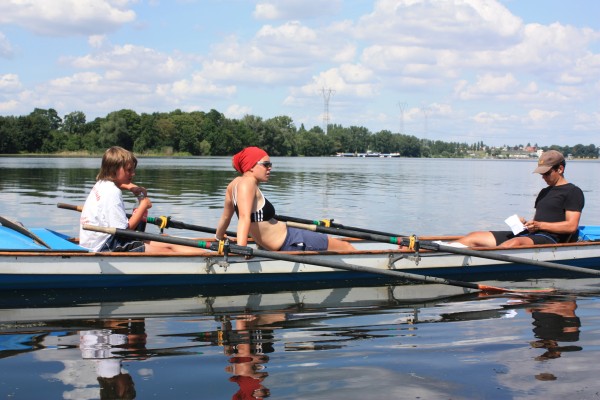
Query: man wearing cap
{"points": [[557, 211]]}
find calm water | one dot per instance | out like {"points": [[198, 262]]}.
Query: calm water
{"points": [[310, 344]]}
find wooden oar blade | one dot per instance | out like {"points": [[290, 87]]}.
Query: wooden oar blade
{"points": [[15, 226], [495, 289]]}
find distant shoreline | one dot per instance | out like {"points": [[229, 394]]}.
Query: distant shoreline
{"points": [[99, 155]]}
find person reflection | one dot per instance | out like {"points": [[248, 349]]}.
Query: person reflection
{"points": [[247, 344], [106, 347], [555, 321]]}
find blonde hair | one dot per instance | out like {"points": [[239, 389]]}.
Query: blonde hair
{"points": [[114, 158]]}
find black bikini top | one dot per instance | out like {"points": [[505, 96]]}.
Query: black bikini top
{"points": [[264, 213]]}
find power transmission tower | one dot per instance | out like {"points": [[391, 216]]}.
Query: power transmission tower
{"points": [[327, 93], [425, 111], [402, 108]]}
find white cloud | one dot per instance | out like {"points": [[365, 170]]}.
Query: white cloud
{"points": [[237, 111], [449, 24], [284, 54], [472, 62], [9, 83], [97, 41], [133, 64], [9, 106], [199, 85], [295, 9], [6, 49], [66, 17], [488, 85], [543, 115], [347, 80], [492, 118]]}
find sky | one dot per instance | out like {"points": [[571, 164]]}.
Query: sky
{"points": [[505, 72]]}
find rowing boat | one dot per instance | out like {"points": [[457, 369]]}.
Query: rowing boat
{"points": [[53, 261]]}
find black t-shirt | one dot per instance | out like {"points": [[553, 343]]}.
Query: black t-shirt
{"points": [[553, 201]]}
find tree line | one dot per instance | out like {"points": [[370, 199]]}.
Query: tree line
{"points": [[210, 133]]}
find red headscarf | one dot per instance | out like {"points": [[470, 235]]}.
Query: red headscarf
{"points": [[247, 158]]}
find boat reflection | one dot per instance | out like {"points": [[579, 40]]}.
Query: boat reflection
{"points": [[236, 336]]}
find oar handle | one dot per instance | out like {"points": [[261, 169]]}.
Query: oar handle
{"points": [[69, 207]]}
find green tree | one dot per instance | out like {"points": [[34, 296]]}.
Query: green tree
{"points": [[9, 135], [74, 123]]}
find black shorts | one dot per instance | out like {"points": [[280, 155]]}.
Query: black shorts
{"points": [[120, 245], [538, 238]]}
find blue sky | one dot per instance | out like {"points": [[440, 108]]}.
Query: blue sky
{"points": [[502, 72]]}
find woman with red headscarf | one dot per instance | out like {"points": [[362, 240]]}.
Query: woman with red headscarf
{"points": [[256, 215]]}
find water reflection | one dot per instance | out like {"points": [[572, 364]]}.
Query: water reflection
{"points": [[107, 347], [107, 352], [555, 322], [247, 342]]}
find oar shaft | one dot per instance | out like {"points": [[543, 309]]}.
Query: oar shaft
{"points": [[449, 249], [505, 257], [149, 236], [346, 232], [171, 223], [158, 221], [358, 268], [332, 225]]}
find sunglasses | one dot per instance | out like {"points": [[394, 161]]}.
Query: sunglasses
{"points": [[547, 173], [266, 164]]}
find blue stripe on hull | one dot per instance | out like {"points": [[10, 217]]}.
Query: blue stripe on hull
{"points": [[114, 281], [502, 272]]}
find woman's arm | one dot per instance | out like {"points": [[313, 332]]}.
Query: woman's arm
{"points": [[246, 194], [226, 215]]}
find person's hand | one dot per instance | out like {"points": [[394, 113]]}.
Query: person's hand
{"points": [[145, 202], [139, 191], [532, 226]]}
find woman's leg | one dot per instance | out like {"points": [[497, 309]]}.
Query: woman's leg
{"points": [[160, 247], [334, 244]]}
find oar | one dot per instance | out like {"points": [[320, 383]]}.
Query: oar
{"points": [[328, 223], [376, 237], [23, 231], [167, 222], [448, 249], [162, 222], [249, 251]]}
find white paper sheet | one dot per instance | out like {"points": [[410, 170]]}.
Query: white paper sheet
{"points": [[515, 224]]}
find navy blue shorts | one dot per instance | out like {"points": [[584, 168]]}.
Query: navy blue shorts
{"points": [[301, 239], [121, 245], [538, 238]]}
